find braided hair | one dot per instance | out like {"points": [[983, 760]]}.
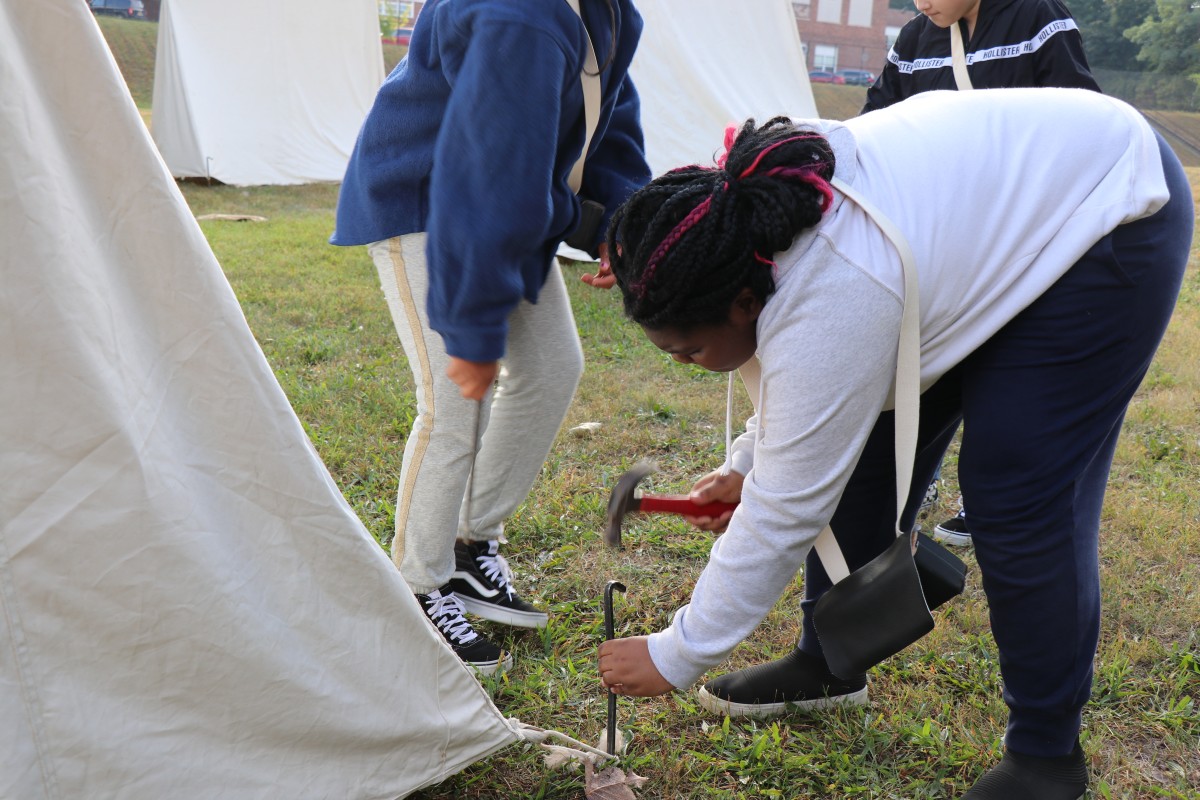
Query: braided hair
{"points": [[684, 246]]}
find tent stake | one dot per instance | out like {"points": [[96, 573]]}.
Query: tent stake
{"points": [[609, 633]]}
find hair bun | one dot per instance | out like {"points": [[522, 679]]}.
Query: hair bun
{"points": [[690, 240]]}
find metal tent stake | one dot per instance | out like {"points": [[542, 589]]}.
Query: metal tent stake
{"points": [[609, 633]]}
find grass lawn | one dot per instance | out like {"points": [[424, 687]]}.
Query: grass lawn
{"points": [[936, 716]]}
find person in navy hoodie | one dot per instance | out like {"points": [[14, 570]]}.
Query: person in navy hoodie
{"points": [[459, 186], [1007, 43]]}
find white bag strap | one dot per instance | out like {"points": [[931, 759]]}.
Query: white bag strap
{"points": [[590, 77], [908, 382], [958, 55], [908, 351]]}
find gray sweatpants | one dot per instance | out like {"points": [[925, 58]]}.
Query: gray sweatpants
{"points": [[468, 465]]}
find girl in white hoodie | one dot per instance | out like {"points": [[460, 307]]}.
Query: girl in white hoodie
{"points": [[1051, 230]]}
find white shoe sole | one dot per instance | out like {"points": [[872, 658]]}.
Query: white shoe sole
{"points": [[505, 616], [491, 667], [950, 537], [717, 705]]}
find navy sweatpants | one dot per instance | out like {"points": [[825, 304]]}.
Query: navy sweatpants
{"points": [[1041, 405]]}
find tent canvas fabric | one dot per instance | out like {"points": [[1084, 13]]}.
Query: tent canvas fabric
{"points": [[702, 64], [188, 606], [268, 92], [274, 92]]}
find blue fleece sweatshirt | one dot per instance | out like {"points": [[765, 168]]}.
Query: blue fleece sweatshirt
{"points": [[472, 138]]}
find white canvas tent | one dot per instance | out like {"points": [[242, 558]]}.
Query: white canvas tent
{"points": [[702, 64], [273, 92], [188, 607], [264, 92]]}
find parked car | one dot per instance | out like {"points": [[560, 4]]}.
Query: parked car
{"points": [[825, 77], [130, 9], [857, 77]]}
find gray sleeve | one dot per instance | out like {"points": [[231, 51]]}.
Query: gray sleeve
{"points": [[829, 359]]}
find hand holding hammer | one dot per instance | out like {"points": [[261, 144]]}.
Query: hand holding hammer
{"points": [[626, 498]]}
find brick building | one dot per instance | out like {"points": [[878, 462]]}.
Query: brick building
{"points": [[848, 34]]}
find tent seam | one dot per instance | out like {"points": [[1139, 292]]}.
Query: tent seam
{"points": [[29, 694]]}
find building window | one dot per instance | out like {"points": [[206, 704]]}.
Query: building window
{"points": [[890, 33], [829, 11], [860, 13], [825, 57], [802, 10]]}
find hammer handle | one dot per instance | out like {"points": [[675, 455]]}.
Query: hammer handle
{"points": [[681, 504]]}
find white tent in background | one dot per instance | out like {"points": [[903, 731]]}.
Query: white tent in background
{"points": [[264, 92], [272, 92], [702, 64], [188, 607]]}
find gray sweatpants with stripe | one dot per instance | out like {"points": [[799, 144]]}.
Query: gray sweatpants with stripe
{"points": [[468, 465]]}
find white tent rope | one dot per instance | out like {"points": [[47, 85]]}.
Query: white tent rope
{"points": [[572, 749]]}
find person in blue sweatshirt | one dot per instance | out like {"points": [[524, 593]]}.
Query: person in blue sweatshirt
{"points": [[459, 186]]}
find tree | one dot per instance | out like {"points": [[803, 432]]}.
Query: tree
{"points": [[1169, 40], [1103, 24]]}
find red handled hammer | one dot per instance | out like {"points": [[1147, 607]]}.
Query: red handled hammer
{"points": [[626, 499]]}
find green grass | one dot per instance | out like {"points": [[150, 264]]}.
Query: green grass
{"points": [[936, 717], [392, 53], [838, 102], [133, 44]]}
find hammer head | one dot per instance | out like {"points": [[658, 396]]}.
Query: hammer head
{"points": [[624, 499]]}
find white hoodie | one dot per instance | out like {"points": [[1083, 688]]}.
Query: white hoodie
{"points": [[998, 192]]}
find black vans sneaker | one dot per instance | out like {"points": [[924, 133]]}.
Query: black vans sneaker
{"points": [[953, 531], [796, 682], [930, 500], [482, 580], [445, 610], [1033, 778]]}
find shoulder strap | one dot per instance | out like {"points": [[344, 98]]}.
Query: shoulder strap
{"points": [[590, 78], [908, 351], [908, 381], [958, 55]]}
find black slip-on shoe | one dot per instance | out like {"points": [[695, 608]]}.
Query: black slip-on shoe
{"points": [[953, 531], [1022, 777], [796, 682]]}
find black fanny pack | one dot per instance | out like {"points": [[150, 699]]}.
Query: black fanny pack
{"points": [[883, 607]]}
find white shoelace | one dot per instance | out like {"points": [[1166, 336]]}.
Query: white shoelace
{"points": [[495, 568], [446, 611]]}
